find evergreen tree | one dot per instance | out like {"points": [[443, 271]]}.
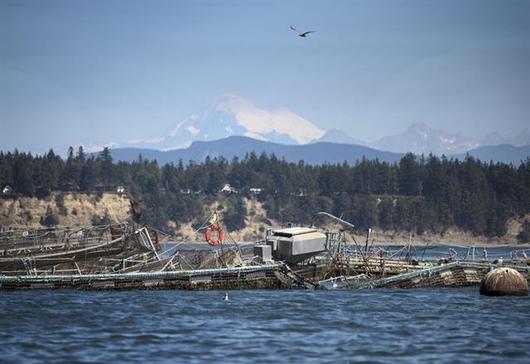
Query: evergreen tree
{"points": [[234, 213], [69, 178], [81, 156], [89, 175], [409, 176], [23, 174], [106, 167]]}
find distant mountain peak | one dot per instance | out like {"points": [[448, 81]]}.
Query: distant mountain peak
{"points": [[260, 122], [418, 127], [420, 138], [338, 136], [495, 138], [234, 115], [232, 103]]}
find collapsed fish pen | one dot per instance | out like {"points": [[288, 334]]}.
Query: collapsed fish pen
{"points": [[451, 275], [131, 256], [273, 276], [98, 249]]}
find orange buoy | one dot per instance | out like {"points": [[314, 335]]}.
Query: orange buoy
{"points": [[214, 235]]}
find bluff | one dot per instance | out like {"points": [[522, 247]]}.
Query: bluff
{"points": [[78, 209], [65, 209]]}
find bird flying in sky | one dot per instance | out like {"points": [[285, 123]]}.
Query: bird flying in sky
{"points": [[302, 34]]}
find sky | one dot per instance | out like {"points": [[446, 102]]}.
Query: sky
{"points": [[101, 71]]}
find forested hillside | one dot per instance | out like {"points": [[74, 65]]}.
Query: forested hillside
{"points": [[417, 194]]}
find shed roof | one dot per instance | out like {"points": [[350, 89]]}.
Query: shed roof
{"points": [[294, 231]]}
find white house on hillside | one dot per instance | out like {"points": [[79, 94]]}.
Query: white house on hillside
{"points": [[228, 189]]}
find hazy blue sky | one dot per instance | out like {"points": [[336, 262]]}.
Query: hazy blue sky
{"points": [[92, 72]]}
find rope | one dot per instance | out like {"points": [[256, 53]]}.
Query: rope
{"points": [[235, 243], [206, 223]]}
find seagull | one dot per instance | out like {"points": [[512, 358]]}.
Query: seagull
{"points": [[225, 298], [302, 34]]}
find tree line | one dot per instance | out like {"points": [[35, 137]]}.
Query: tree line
{"points": [[417, 194]]}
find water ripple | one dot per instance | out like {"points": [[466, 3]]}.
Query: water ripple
{"points": [[429, 325]]}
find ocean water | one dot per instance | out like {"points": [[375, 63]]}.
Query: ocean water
{"points": [[290, 326]]}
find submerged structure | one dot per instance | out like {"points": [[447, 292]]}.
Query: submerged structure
{"points": [[99, 249]]}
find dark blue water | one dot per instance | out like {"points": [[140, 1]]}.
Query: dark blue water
{"points": [[422, 325]]}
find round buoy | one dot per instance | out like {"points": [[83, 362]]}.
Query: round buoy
{"points": [[504, 282], [214, 235]]}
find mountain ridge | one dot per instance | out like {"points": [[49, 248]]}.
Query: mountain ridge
{"points": [[313, 153], [419, 138], [504, 153], [232, 115], [239, 146]]}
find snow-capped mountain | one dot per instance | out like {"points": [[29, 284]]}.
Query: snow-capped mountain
{"points": [[422, 139], [233, 115]]}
